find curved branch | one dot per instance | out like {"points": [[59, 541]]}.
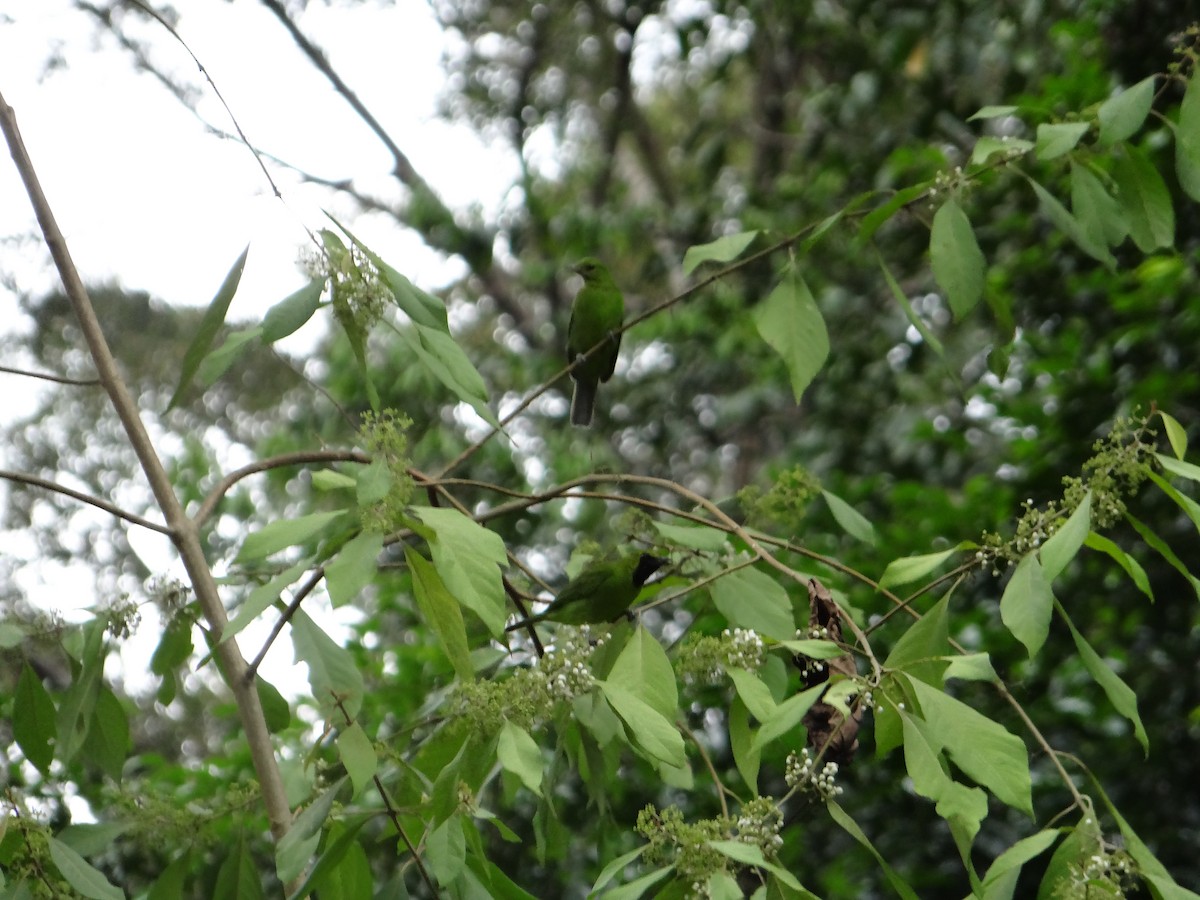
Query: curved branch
{"points": [[209, 504], [58, 379], [98, 502]]}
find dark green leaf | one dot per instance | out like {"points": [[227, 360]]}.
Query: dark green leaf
{"points": [[353, 568], [958, 263], [336, 681], [210, 326], [1027, 603], [789, 321], [1056, 139], [293, 311], [1145, 200], [441, 611], [750, 598], [1187, 138], [1121, 116], [33, 722]]}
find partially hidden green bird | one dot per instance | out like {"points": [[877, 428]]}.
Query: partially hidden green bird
{"points": [[603, 590], [596, 317]]}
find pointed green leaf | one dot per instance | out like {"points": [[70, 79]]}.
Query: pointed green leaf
{"points": [[701, 537], [971, 667], [256, 602], [441, 611], [852, 521], [746, 756], [1164, 550], [980, 747], [238, 878], [358, 756], [843, 819], [33, 720], [647, 728], [210, 326], [81, 874], [644, 670], [1119, 694], [920, 651], [1062, 546], [353, 568], [993, 112], [1131, 566], [908, 569], [1097, 211], [107, 743], [792, 325], [616, 866], [752, 855], [1012, 859], [958, 263], [218, 362], [1121, 116], [873, 220], [722, 250], [1179, 467], [750, 598], [987, 147], [336, 681], [276, 711], [1027, 603], [787, 716], [1189, 506], [276, 536], [755, 694], [1176, 436], [915, 320], [520, 754], [1187, 138], [1058, 138], [1145, 200], [293, 311], [469, 560], [1085, 238]]}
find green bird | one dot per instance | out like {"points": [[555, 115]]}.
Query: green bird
{"points": [[603, 591], [596, 317]]}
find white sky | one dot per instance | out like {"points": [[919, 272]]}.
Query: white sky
{"points": [[148, 199]]}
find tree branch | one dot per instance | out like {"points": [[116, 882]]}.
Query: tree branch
{"points": [[97, 502], [183, 531]]}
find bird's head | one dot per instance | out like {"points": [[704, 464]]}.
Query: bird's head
{"points": [[590, 268]]}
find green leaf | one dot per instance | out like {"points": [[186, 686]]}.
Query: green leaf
{"points": [[80, 874], [852, 521], [1164, 550], [1146, 201], [276, 711], [963, 808], [1119, 694], [899, 885], [171, 882], [1027, 603], [1097, 211], [276, 536], [616, 866], [647, 728], [958, 263], [1179, 467], [1177, 437], [353, 568], [754, 694], [1187, 138], [218, 362], [238, 878], [993, 112], [293, 311], [78, 702], [813, 648], [750, 598], [447, 850], [469, 559], [1062, 546], [694, 537], [332, 673], [441, 611], [330, 480], [257, 601], [295, 849], [1012, 859], [358, 756], [373, 482], [1131, 566], [636, 888], [520, 754], [752, 855], [908, 569], [1085, 238], [987, 147], [210, 326], [913, 319], [971, 667], [33, 720], [450, 365], [746, 756], [921, 650], [787, 716], [1058, 138], [873, 220], [644, 670], [981, 748], [1121, 116], [789, 321], [107, 742], [722, 250], [1189, 506]]}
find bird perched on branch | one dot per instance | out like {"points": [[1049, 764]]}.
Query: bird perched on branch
{"points": [[603, 590], [596, 318]]}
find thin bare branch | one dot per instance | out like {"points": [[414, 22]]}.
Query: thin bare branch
{"points": [[58, 379], [98, 502]]}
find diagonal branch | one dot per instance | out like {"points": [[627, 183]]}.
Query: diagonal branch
{"points": [[98, 502]]}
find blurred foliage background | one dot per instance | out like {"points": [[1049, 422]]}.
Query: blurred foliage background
{"points": [[645, 128]]}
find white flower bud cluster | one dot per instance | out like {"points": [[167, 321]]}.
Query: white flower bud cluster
{"points": [[745, 648], [800, 774]]}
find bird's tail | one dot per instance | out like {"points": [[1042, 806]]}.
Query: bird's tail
{"points": [[583, 401]]}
